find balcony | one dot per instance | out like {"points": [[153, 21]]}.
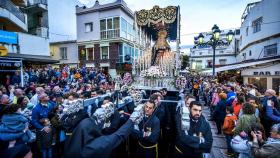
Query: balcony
{"points": [[40, 31], [13, 15], [35, 6], [110, 34], [33, 45]]}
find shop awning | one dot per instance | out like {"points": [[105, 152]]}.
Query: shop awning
{"points": [[35, 59], [244, 65]]}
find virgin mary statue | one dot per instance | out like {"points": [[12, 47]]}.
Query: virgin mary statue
{"points": [[160, 47]]}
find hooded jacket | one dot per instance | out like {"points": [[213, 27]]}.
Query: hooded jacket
{"points": [[12, 128], [271, 149]]}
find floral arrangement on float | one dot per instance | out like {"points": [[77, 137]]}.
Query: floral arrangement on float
{"points": [[181, 82], [127, 79], [153, 72]]}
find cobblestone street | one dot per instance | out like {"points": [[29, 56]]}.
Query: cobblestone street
{"points": [[219, 144]]}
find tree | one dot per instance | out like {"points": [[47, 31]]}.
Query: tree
{"points": [[185, 61]]}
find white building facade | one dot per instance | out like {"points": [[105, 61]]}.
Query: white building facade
{"points": [[260, 41], [66, 52], [201, 57], [259, 57], [107, 38], [24, 36], [26, 22]]}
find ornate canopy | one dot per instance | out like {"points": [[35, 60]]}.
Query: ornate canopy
{"points": [[156, 15], [158, 18]]}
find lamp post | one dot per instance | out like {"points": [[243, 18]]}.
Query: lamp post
{"points": [[214, 41]]}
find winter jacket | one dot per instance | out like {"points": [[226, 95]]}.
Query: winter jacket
{"points": [[272, 114], [40, 112], [220, 110], [12, 128], [245, 123], [236, 109], [271, 149], [229, 124], [241, 146], [46, 139]]}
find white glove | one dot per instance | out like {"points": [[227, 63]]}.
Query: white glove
{"points": [[136, 127], [134, 116], [201, 140]]}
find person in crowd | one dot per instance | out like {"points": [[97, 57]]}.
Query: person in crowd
{"points": [[196, 90], [41, 111], [242, 142], [15, 133], [4, 101], [46, 139], [257, 108], [18, 93], [228, 126], [215, 100], [113, 120], [59, 133], [231, 95], [220, 112], [272, 113], [147, 133], [270, 97], [16, 79], [269, 148], [246, 120], [88, 141], [197, 139], [237, 105], [34, 100]]}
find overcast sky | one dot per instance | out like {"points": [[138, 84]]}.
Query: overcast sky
{"points": [[197, 15]]}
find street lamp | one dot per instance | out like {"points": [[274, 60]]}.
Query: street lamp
{"points": [[214, 41]]}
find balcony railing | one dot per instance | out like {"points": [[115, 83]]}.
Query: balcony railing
{"points": [[7, 4], [109, 34], [45, 2], [40, 31]]}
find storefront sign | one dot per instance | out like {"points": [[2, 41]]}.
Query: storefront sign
{"points": [[8, 37], [266, 73], [10, 64]]}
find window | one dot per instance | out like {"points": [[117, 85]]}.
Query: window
{"points": [[221, 52], [247, 30], [200, 53], [103, 24], [109, 28], [109, 24], [63, 53], [198, 65], [276, 84], [116, 23], [250, 53], [261, 83], [223, 61], [105, 52], [270, 50], [89, 27], [257, 25], [209, 64]]}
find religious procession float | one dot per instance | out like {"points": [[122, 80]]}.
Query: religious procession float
{"points": [[158, 66]]}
